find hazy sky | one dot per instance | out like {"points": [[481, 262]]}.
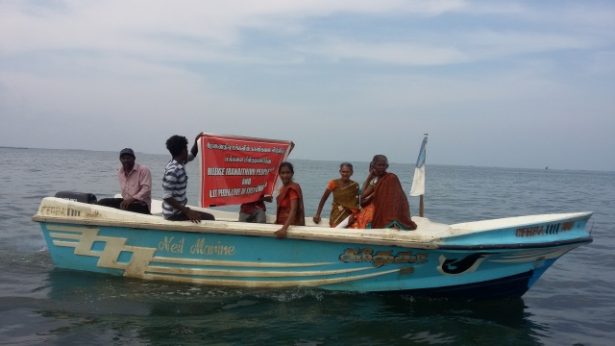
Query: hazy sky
{"points": [[494, 83]]}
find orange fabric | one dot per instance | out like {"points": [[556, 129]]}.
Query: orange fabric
{"points": [[391, 208], [331, 185], [285, 202], [363, 218], [290, 192]]}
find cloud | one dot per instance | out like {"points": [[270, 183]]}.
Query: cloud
{"points": [[464, 48], [383, 72], [133, 25], [402, 53], [210, 31]]}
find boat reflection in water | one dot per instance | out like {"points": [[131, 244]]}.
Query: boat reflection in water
{"points": [[136, 311]]}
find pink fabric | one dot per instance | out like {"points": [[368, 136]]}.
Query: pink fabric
{"points": [[137, 184]]}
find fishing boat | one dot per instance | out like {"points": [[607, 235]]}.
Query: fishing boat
{"points": [[499, 257], [487, 258]]}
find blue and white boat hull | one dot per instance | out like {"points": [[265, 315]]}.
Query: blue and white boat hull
{"points": [[502, 257]]}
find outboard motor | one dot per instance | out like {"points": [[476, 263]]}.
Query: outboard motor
{"points": [[83, 197]]}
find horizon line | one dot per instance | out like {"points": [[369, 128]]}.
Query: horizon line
{"points": [[549, 168]]}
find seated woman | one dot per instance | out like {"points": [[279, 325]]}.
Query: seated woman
{"points": [[345, 194], [388, 200], [290, 201]]}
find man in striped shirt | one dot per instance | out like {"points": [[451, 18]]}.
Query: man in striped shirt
{"points": [[175, 182]]}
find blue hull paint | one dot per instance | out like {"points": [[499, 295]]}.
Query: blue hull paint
{"points": [[248, 261], [503, 257]]}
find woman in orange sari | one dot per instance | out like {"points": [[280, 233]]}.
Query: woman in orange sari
{"points": [[290, 201], [345, 193]]}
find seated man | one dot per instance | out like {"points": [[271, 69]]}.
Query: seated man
{"points": [[387, 198], [135, 184], [255, 212], [175, 182]]}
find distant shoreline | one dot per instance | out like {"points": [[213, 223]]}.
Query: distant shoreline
{"points": [[550, 170], [4, 147]]}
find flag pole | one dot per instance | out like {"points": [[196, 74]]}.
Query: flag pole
{"points": [[421, 206], [418, 182]]}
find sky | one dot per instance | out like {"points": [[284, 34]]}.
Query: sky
{"points": [[524, 84]]}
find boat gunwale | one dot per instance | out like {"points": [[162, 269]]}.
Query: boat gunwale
{"points": [[495, 224], [385, 237]]}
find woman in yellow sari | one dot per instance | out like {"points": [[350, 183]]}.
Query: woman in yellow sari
{"points": [[345, 197]]}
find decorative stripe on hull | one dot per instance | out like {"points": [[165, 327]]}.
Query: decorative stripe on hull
{"points": [[265, 283], [145, 265]]}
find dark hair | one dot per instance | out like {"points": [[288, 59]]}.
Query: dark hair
{"points": [[176, 144], [380, 157], [346, 164], [288, 165]]}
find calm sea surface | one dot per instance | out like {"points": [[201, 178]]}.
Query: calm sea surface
{"points": [[572, 304]]}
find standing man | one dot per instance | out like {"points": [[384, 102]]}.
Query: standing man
{"points": [[135, 183], [175, 182]]}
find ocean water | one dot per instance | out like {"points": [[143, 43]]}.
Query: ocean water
{"points": [[572, 304]]}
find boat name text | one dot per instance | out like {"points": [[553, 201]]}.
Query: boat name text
{"points": [[550, 229], [199, 247], [59, 211]]}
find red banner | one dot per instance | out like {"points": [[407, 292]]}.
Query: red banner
{"points": [[236, 170]]}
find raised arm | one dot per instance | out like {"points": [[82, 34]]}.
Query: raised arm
{"points": [[195, 147], [367, 191]]}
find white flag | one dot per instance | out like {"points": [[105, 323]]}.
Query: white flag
{"points": [[418, 182]]}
